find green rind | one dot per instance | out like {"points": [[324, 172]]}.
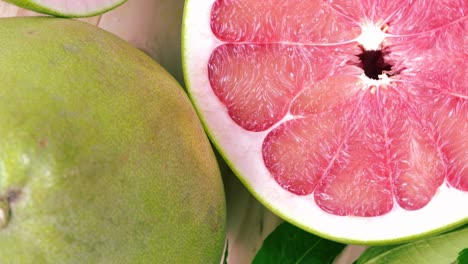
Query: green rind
{"points": [[34, 6], [270, 207], [75, 100]]}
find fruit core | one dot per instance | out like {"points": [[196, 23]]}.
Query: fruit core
{"points": [[373, 63], [372, 57]]}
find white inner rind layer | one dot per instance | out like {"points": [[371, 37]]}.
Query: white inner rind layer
{"points": [[243, 151]]}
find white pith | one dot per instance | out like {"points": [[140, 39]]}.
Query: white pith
{"points": [[371, 37], [243, 150]]}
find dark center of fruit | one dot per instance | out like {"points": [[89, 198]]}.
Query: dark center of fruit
{"points": [[373, 63]]}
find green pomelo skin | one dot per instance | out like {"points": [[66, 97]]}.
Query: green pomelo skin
{"points": [[42, 7], [102, 157]]}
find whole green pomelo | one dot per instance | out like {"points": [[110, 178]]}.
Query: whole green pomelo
{"points": [[102, 157]]}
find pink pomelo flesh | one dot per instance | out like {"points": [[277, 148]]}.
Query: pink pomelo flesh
{"points": [[295, 68]]}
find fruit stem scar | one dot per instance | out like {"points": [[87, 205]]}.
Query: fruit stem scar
{"points": [[5, 212]]}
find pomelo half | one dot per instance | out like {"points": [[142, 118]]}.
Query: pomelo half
{"points": [[348, 119], [68, 8]]}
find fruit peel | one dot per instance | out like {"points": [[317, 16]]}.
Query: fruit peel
{"points": [[106, 151]]}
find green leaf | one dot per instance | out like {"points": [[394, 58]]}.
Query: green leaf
{"points": [[288, 244], [463, 256], [441, 249]]}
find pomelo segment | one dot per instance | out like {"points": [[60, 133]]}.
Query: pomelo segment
{"points": [[346, 118], [292, 21], [68, 8], [274, 73]]}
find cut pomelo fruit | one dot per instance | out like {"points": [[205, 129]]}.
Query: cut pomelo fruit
{"points": [[68, 8], [346, 118]]}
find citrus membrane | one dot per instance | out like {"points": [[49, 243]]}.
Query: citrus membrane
{"points": [[348, 119], [68, 8]]}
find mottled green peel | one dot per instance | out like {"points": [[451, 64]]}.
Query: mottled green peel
{"points": [[110, 157]]}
